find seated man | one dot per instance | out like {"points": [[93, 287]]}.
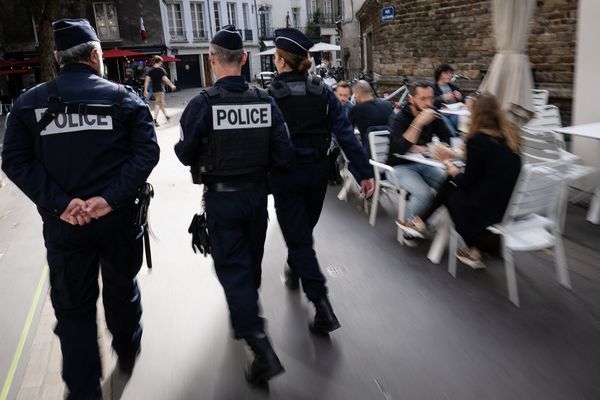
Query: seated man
{"points": [[368, 112], [410, 130]]}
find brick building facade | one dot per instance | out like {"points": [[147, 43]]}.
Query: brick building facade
{"points": [[425, 33]]}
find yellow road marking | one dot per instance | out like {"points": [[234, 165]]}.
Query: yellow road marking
{"points": [[24, 333]]}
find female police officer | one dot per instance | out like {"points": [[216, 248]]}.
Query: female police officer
{"points": [[312, 113]]}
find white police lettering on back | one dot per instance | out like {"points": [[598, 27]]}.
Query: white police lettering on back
{"points": [[64, 123], [241, 116]]}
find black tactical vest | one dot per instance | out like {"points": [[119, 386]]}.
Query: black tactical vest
{"points": [[303, 102], [238, 142]]}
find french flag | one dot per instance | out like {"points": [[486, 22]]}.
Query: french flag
{"points": [[143, 33]]}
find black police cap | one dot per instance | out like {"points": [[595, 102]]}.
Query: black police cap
{"points": [[71, 32], [293, 41], [229, 38]]}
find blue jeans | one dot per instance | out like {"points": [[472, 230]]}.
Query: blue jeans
{"points": [[451, 122], [420, 181]]}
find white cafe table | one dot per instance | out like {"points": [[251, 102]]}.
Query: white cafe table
{"points": [[461, 112], [590, 131], [442, 235], [419, 158]]}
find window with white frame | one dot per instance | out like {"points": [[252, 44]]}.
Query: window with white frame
{"points": [[106, 21], [217, 16], [175, 18], [198, 24], [245, 15], [232, 14], [296, 17], [264, 19]]}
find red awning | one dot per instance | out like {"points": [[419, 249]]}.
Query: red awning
{"points": [[167, 58], [8, 63], [117, 53], [15, 71]]}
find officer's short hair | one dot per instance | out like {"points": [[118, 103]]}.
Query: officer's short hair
{"points": [[226, 56], [78, 53]]}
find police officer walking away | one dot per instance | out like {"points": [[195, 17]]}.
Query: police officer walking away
{"points": [[312, 112], [232, 134], [81, 162]]}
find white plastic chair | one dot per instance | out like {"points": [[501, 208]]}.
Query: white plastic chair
{"points": [[539, 97], [379, 142], [544, 146], [531, 222], [547, 118]]}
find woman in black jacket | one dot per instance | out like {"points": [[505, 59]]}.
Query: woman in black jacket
{"points": [[478, 197]]}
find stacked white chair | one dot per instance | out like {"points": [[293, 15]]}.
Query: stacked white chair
{"points": [[539, 97]]}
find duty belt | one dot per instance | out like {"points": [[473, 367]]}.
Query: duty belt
{"points": [[237, 187]]}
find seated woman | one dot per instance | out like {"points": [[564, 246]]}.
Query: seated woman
{"points": [[477, 197], [445, 91]]}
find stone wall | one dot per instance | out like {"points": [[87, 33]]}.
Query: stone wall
{"points": [[460, 32]]}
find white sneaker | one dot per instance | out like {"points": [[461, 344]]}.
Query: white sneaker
{"points": [[470, 258]]}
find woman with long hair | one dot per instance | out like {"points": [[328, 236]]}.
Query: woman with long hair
{"points": [[312, 113], [478, 196]]}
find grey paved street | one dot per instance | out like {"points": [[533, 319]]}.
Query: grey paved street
{"points": [[409, 330]]}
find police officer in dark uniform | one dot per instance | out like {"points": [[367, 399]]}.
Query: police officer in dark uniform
{"points": [[312, 112], [232, 134], [81, 162]]}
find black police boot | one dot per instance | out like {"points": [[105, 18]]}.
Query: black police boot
{"points": [[266, 364], [325, 319], [126, 364], [291, 279]]}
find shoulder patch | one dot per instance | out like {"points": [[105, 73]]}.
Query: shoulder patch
{"points": [[315, 85], [279, 89]]}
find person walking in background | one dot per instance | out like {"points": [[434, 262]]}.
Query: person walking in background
{"points": [[157, 78]]}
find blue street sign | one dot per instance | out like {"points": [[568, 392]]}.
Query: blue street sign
{"points": [[388, 14]]}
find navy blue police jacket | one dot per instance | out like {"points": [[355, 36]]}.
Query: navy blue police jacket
{"points": [[343, 131], [80, 156], [196, 123]]}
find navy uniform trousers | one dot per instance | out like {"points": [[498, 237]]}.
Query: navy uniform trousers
{"points": [[299, 194], [75, 255], [237, 226]]}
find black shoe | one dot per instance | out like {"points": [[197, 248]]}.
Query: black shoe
{"points": [[325, 319], [266, 364], [126, 364], [168, 118], [291, 279], [156, 124]]}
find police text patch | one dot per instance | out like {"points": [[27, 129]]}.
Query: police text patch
{"points": [[64, 123], [241, 116]]}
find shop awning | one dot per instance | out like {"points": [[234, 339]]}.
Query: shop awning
{"points": [[16, 71], [118, 53]]}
